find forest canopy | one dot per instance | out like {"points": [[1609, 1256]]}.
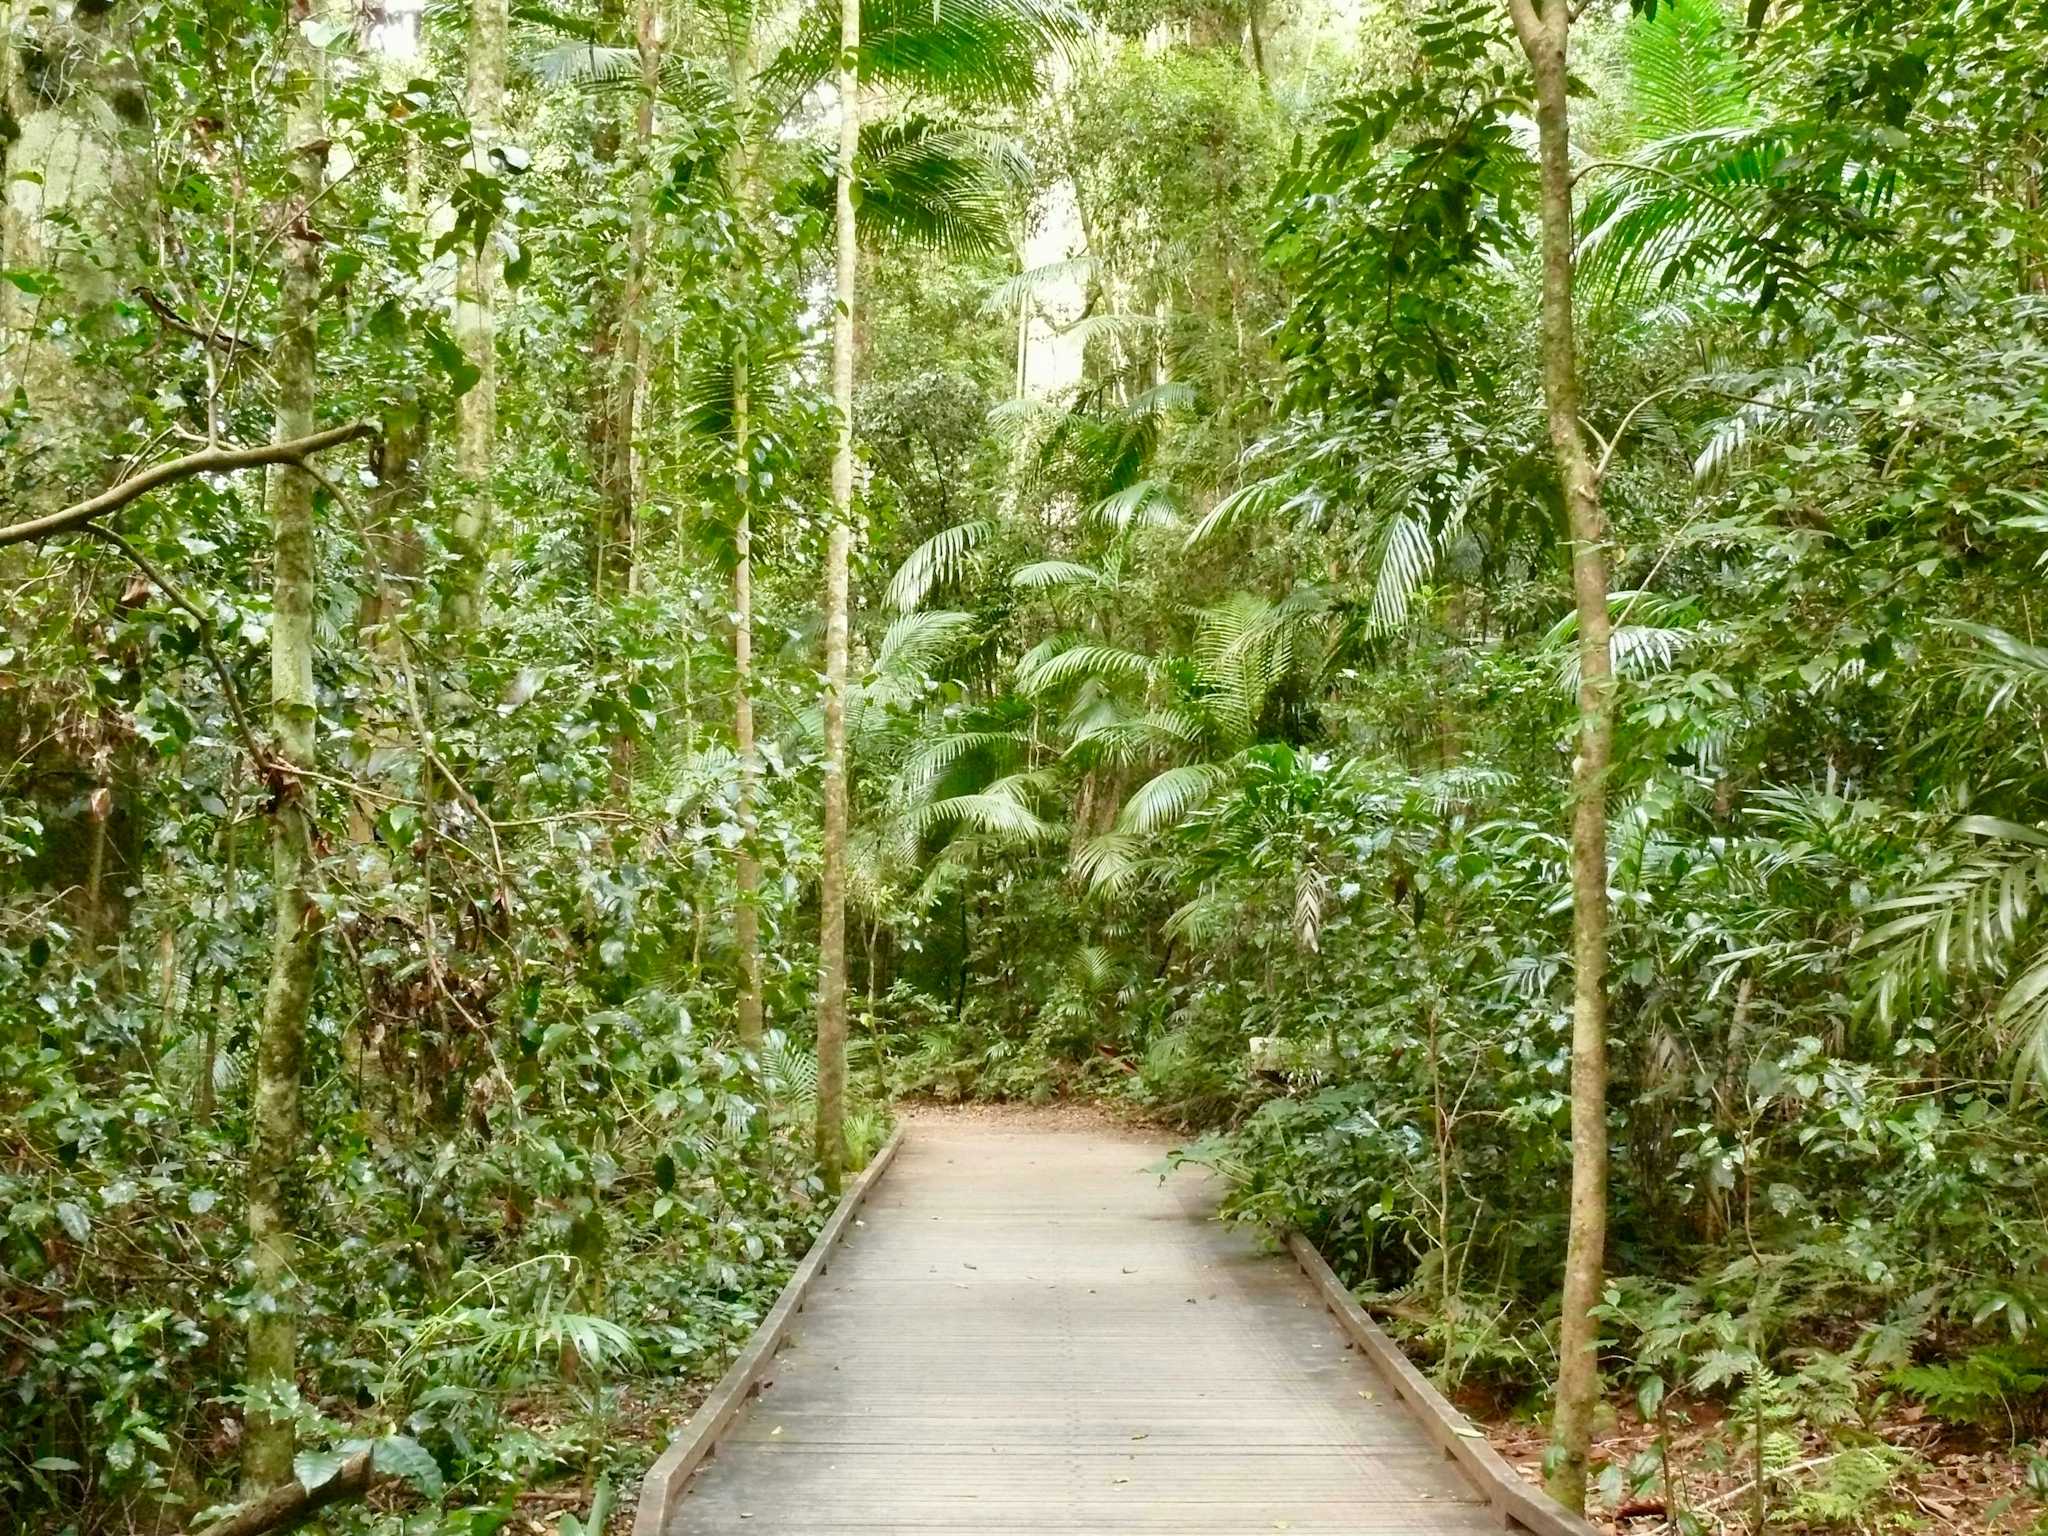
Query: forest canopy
{"points": [[1436, 596]]}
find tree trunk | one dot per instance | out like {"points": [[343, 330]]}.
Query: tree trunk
{"points": [[747, 865], [625, 475], [476, 288], [274, 1118], [1545, 39], [832, 893]]}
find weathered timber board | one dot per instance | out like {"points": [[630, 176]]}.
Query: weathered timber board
{"points": [[1025, 1332]]}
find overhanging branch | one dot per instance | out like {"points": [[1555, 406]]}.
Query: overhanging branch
{"points": [[208, 461]]}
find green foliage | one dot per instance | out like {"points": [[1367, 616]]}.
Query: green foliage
{"points": [[2000, 1386]]}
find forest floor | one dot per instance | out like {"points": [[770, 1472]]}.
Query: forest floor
{"points": [[1952, 1483]]}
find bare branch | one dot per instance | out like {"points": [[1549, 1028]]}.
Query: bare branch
{"points": [[208, 461], [1608, 445]]}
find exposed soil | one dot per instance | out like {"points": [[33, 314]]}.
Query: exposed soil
{"points": [[1055, 1114]]}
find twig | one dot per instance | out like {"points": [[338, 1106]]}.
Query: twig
{"points": [[208, 461], [1608, 445], [227, 341]]}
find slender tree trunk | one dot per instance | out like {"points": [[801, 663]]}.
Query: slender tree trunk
{"points": [[1545, 38], [747, 865], [626, 479], [476, 289], [274, 1119], [832, 894]]}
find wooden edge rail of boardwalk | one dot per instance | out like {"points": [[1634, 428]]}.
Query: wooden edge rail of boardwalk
{"points": [[1514, 1501], [665, 1480], [1034, 1333]]}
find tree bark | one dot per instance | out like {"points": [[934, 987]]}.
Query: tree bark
{"points": [[274, 1119], [476, 288], [832, 893], [747, 864], [68, 204], [1545, 38]]}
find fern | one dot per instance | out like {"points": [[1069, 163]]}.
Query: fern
{"points": [[1984, 1387], [789, 1073]]}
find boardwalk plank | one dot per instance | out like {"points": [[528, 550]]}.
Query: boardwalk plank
{"points": [[1028, 1333]]}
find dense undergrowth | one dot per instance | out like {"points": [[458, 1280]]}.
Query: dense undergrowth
{"points": [[500, 1294]]}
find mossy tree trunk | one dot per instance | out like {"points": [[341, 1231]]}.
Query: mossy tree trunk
{"points": [[1545, 35], [625, 487], [274, 1117], [476, 290], [747, 864]]}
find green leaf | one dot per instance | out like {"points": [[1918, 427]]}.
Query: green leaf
{"points": [[463, 375], [403, 1457], [315, 1469], [55, 1464], [73, 1218]]}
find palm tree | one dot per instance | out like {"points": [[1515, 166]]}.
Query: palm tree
{"points": [[970, 51], [916, 179]]}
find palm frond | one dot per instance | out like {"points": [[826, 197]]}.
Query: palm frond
{"points": [[1011, 294], [1974, 918], [1258, 498], [1686, 71], [1407, 559], [1043, 574], [1040, 673], [918, 642], [1110, 864], [1171, 797], [940, 186], [970, 52], [1001, 810], [1143, 504], [939, 559]]}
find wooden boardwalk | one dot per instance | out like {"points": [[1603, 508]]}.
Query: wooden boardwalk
{"points": [[1028, 1333]]}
